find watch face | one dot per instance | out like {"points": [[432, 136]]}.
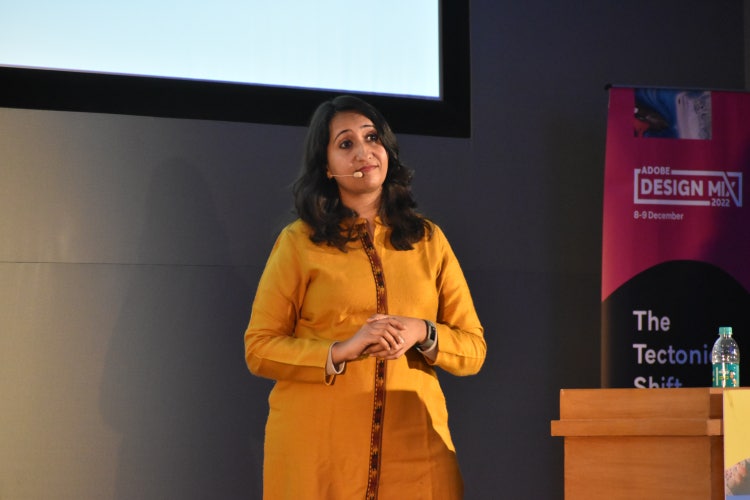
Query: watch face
{"points": [[431, 336]]}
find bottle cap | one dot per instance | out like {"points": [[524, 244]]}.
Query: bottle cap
{"points": [[725, 330]]}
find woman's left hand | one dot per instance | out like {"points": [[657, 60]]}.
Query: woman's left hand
{"points": [[415, 332]]}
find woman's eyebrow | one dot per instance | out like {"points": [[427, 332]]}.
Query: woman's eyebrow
{"points": [[366, 125]]}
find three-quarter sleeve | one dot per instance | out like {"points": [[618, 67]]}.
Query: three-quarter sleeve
{"points": [[461, 346], [271, 348]]}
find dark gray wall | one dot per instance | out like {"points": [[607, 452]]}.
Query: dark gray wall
{"points": [[130, 248]]}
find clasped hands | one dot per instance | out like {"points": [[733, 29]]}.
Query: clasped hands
{"points": [[382, 336]]}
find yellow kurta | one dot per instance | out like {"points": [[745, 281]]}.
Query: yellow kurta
{"points": [[318, 434]]}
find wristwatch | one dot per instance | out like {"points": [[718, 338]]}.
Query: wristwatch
{"points": [[431, 336]]}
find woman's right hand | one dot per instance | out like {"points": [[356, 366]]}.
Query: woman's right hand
{"points": [[381, 332]]}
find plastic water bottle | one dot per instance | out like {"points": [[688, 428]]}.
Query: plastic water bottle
{"points": [[725, 358]]}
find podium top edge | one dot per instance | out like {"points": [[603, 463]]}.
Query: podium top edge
{"points": [[690, 402]]}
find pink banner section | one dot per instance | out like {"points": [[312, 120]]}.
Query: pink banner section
{"points": [[676, 235], [674, 190]]}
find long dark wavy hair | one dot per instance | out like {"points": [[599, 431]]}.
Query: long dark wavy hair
{"points": [[316, 197]]}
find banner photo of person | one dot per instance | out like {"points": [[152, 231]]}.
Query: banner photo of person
{"points": [[736, 426], [676, 234]]}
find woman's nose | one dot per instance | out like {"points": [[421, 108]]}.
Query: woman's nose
{"points": [[362, 151]]}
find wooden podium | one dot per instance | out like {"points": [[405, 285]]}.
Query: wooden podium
{"points": [[642, 443]]}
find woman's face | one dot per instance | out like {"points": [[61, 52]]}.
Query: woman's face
{"points": [[357, 159]]}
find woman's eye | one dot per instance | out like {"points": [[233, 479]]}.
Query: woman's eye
{"points": [[373, 137], [345, 144]]}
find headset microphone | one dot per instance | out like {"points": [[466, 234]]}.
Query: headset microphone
{"points": [[357, 174]]}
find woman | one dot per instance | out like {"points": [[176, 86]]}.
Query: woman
{"points": [[360, 299]]}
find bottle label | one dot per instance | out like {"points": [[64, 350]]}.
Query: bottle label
{"points": [[726, 375]]}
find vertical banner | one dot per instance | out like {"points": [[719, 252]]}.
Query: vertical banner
{"points": [[737, 444], [676, 234]]}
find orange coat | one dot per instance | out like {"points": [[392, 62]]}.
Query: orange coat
{"points": [[319, 428]]}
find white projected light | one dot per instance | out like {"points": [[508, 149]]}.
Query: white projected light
{"points": [[269, 62], [392, 48]]}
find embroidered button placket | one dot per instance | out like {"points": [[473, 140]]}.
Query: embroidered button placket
{"points": [[376, 435]]}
